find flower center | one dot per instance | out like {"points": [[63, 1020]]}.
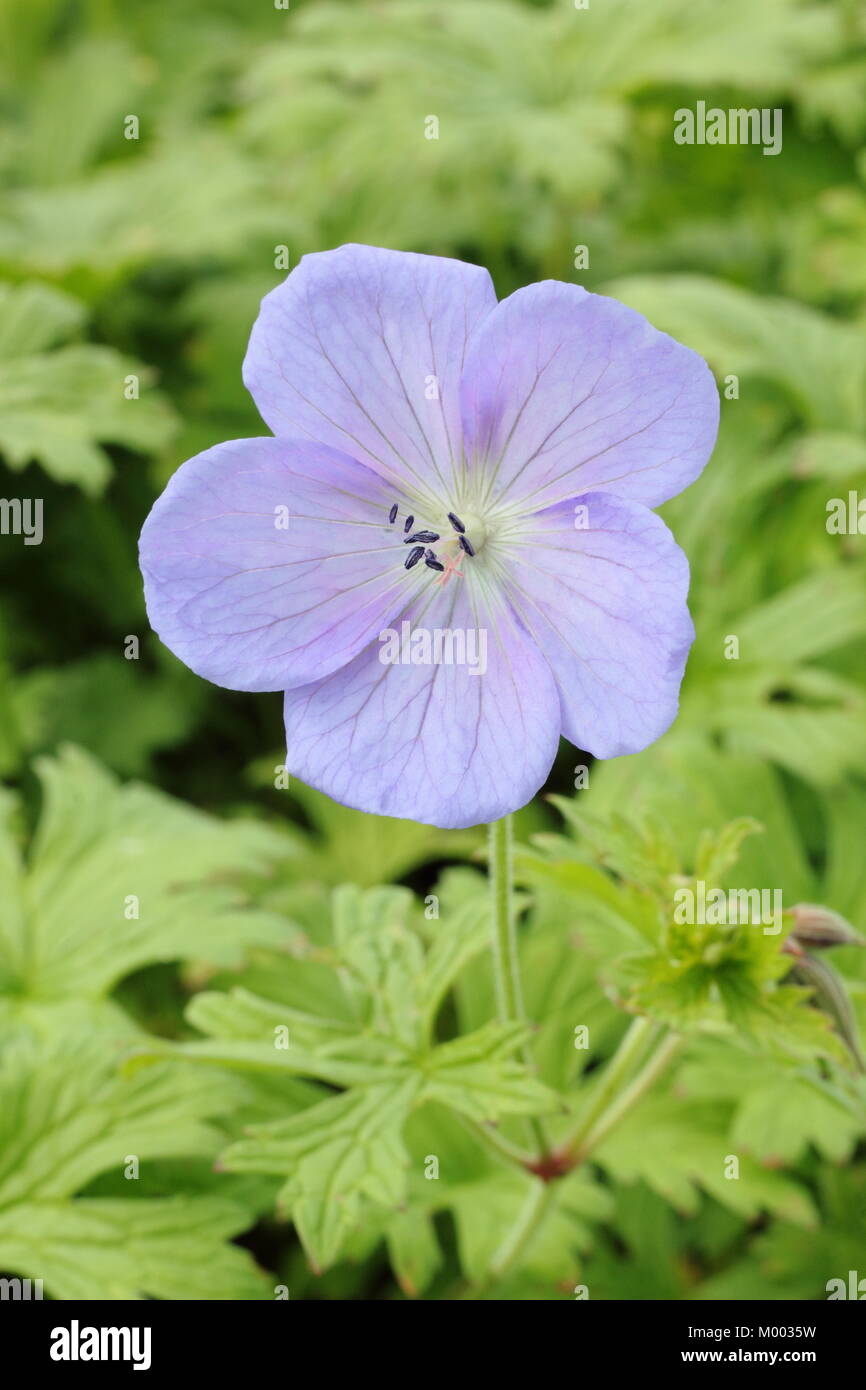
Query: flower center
{"points": [[457, 538], [475, 530]]}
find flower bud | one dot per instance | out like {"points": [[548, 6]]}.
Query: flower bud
{"points": [[831, 997], [819, 927]]}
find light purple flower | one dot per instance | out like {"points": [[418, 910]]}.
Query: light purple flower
{"points": [[546, 426]]}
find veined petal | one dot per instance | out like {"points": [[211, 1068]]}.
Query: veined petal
{"points": [[432, 743], [566, 392], [269, 563], [362, 349], [607, 607]]}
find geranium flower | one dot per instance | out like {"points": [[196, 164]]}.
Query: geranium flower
{"points": [[459, 465]]}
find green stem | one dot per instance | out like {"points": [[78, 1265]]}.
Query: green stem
{"points": [[509, 997], [506, 964], [609, 1106], [496, 1142], [538, 1203], [589, 1138], [632, 1045]]}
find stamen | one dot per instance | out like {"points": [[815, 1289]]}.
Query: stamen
{"points": [[413, 557], [392, 515], [466, 544], [409, 523], [456, 523], [421, 536], [433, 564]]}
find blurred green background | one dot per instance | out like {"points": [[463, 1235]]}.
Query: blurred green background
{"points": [[261, 134]]}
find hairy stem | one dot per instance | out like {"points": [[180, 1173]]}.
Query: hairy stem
{"points": [[506, 966], [580, 1146], [509, 996], [530, 1220], [495, 1142], [632, 1045]]}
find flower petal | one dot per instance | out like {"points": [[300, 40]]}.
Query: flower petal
{"points": [[362, 349], [432, 743], [567, 392], [269, 563], [607, 606]]}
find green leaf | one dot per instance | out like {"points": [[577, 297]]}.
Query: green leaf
{"points": [[174, 1248], [59, 407], [35, 317], [66, 1116], [119, 877], [477, 1076], [413, 1250], [819, 361], [679, 1149], [505, 168], [143, 206], [377, 1044], [339, 1154], [106, 70], [88, 702], [776, 1111], [693, 787], [776, 1120]]}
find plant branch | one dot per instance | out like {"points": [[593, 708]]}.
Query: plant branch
{"points": [[506, 963], [496, 1142], [509, 996], [581, 1146], [633, 1044]]}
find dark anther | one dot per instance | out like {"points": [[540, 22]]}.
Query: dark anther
{"points": [[414, 556], [426, 536], [392, 515], [466, 544], [408, 524], [433, 564], [456, 523]]}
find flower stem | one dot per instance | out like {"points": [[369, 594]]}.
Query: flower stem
{"points": [[529, 1222], [632, 1045], [597, 1125], [509, 996], [506, 964], [495, 1142]]}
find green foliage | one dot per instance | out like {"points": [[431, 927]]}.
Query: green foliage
{"points": [[116, 878], [57, 406], [377, 1041], [67, 1116], [155, 933], [351, 1162]]}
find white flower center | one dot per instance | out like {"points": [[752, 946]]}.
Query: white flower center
{"points": [[475, 530]]}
